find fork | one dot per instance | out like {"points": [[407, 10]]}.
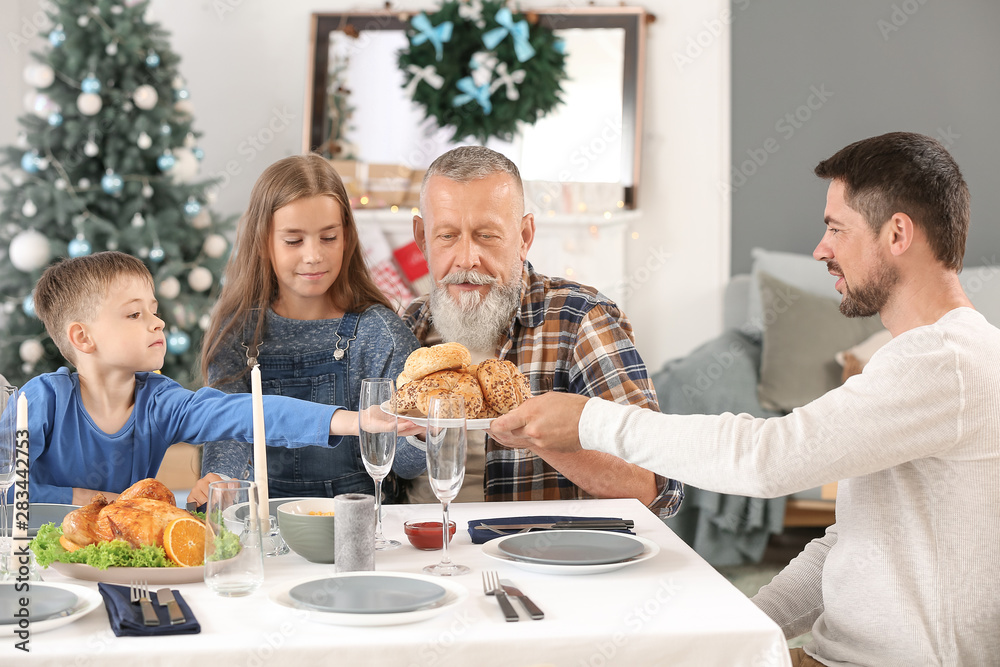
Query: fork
{"points": [[491, 586], [139, 592]]}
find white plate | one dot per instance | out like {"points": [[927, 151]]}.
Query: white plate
{"points": [[126, 575], [492, 550], [87, 601], [455, 594], [470, 424], [572, 547]]}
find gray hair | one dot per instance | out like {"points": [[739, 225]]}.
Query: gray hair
{"points": [[470, 163]]}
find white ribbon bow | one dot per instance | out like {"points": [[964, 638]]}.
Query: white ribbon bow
{"points": [[482, 65], [428, 74], [509, 79], [472, 11]]}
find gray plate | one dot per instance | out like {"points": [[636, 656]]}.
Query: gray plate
{"points": [[40, 514], [46, 603], [367, 594], [571, 547]]}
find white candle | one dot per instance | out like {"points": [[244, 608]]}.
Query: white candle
{"points": [[260, 449], [19, 545]]}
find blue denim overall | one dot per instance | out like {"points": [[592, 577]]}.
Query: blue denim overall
{"points": [[321, 377]]}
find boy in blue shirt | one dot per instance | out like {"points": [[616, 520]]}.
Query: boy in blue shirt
{"points": [[108, 425]]}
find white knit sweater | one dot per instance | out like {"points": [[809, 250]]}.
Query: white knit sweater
{"points": [[910, 573]]}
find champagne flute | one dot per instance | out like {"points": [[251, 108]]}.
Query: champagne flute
{"points": [[377, 434], [446, 449], [8, 455]]}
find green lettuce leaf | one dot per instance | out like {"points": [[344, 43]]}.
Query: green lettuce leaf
{"points": [[102, 555]]}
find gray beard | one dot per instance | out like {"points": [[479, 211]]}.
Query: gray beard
{"points": [[474, 321]]}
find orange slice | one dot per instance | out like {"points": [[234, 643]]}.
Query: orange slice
{"points": [[67, 544], [184, 541]]}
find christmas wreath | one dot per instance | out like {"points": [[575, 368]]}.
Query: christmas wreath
{"points": [[478, 67]]}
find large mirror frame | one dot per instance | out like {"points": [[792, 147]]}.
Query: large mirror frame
{"points": [[632, 20]]}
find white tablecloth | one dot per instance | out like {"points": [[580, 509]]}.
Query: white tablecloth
{"points": [[673, 609]]}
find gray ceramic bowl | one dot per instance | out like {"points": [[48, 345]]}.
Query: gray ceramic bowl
{"points": [[308, 535]]}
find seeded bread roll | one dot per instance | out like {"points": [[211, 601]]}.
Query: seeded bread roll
{"points": [[503, 385], [426, 360], [446, 383]]}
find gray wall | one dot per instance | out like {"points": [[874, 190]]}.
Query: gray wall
{"points": [[866, 67]]}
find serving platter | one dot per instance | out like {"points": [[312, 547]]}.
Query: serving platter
{"points": [[126, 575], [420, 420]]}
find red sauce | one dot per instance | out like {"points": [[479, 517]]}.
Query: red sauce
{"points": [[426, 535]]}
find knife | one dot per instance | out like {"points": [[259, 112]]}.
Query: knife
{"points": [[165, 596], [510, 589], [577, 524]]}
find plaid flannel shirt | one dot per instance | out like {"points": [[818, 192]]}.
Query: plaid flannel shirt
{"points": [[564, 337]]}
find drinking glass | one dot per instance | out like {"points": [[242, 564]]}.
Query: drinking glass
{"points": [[234, 562], [446, 449], [8, 455], [377, 433]]}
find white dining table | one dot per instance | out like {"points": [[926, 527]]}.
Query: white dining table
{"points": [[672, 609]]}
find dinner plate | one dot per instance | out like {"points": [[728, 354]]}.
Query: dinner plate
{"points": [[454, 595], [492, 550], [40, 514], [416, 418], [46, 602], [84, 601], [571, 547], [126, 575], [375, 594]]}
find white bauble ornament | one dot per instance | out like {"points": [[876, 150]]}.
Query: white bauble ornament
{"points": [[138, 220], [145, 97], [200, 279], [184, 107], [204, 321], [90, 148], [83, 184], [29, 251], [144, 141], [89, 103], [59, 184], [29, 209], [215, 245], [40, 104], [31, 351], [111, 49], [202, 221], [185, 167], [39, 75], [170, 288]]}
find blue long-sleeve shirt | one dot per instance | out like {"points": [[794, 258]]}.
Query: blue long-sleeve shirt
{"points": [[66, 448]]}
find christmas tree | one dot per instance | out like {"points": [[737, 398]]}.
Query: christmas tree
{"points": [[106, 159]]}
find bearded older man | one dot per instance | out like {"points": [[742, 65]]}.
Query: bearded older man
{"points": [[562, 335]]}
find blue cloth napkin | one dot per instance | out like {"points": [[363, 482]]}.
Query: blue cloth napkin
{"points": [[126, 617], [481, 535]]}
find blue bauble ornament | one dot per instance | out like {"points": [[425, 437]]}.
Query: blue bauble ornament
{"points": [[29, 162], [55, 119], [90, 85], [28, 305], [166, 162], [165, 129], [198, 153], [181, 94], [112, 183], [57, 36], [156, 254], [152, 59], [79, 247], [178, 342], [192, 208]]}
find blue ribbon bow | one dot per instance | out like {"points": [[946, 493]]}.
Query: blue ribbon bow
{"points": [[518, 32], [436, 35], [470, 91]]}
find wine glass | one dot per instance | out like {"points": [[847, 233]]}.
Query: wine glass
{"points": [[8, 455], [377, 434], [446, 448]]}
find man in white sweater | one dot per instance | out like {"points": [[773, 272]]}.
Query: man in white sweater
{"points": [[909, 573]]}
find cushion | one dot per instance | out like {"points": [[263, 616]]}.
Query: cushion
{"points": [[801, 271], [802, 334]]}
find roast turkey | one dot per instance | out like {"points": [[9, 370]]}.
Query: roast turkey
{"points": [[137, 516]]}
